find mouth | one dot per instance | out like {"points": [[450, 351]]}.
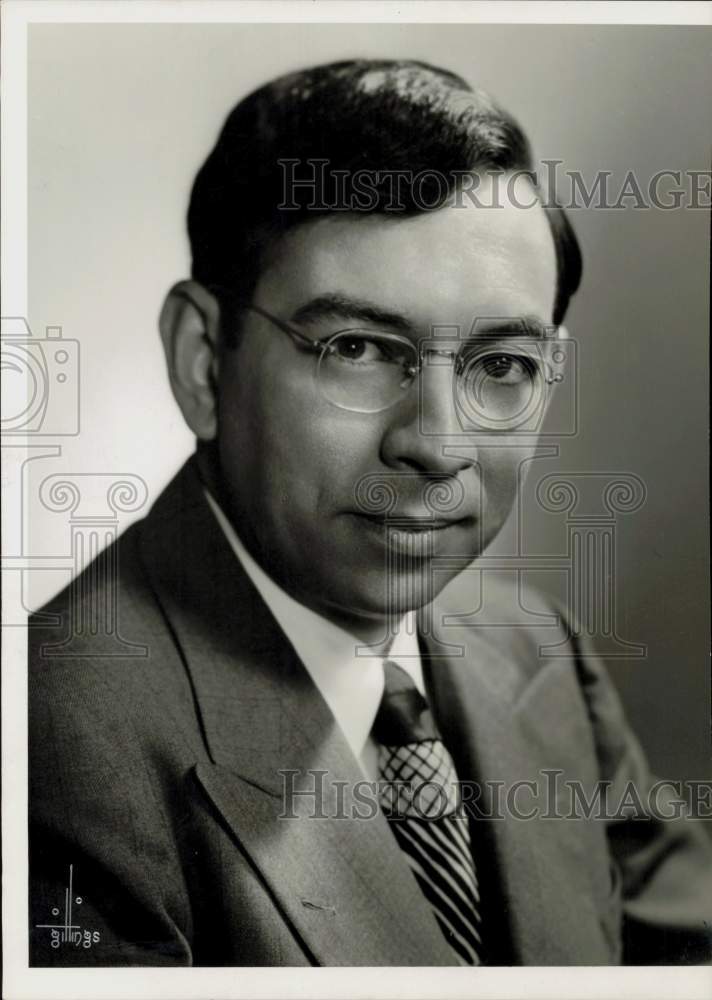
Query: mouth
{"points": [[414, 524], [418, 538]]}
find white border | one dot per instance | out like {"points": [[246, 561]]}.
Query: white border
{"points": [[13, 258], [348, 11], [663, 983], [186, 984]]}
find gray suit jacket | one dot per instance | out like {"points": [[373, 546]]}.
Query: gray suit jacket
{"points": [[165, 702]]}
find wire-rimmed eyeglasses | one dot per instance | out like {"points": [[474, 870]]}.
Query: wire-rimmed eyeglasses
{"points": [[500, 381]]}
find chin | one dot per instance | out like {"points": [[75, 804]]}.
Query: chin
{"points": [[386, 599]]}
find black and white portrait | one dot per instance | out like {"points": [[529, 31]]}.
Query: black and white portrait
{"points": [[357, 506]]}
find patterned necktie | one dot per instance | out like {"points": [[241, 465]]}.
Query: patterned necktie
{"points": [[419, 797]]}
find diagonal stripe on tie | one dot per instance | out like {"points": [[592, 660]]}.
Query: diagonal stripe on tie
{"points": [[455, 869], [419, 797], [460, 919], [458, 845], [444, 875]]}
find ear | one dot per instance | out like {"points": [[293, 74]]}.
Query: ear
{"points": [[190, 325]]}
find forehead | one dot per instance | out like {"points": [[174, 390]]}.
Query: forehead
{"points": [[494, 257]]}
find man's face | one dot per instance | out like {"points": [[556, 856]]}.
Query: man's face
{"points": [[295, 465]]}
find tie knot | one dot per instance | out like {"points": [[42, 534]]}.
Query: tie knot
{"points": [[403, 715]]}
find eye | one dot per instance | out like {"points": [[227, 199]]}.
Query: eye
{"points": [[357, 349], [507, 369], [364, 348]]}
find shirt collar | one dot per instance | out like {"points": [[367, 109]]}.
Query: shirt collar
{"points": [[349, 680]]}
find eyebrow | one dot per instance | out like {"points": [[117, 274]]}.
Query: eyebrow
{"points": [[511, 326], [336, 306]]}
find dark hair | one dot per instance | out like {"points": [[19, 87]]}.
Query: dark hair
{"points": [[362, 115]]}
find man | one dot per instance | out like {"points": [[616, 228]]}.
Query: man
{"points": [[363, 353]]}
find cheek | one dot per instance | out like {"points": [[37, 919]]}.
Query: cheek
{"points": [[502, 470], [293, 452]]}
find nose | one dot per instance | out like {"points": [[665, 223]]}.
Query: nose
{"points": [[425, 423]]}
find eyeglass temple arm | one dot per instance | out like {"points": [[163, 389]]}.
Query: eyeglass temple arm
{"points": [[301, 338]]}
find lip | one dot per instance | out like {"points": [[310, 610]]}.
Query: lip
{"points": [[413, 523], [418, 537]]}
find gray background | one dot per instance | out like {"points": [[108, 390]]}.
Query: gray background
{"points": [[121, 116]]}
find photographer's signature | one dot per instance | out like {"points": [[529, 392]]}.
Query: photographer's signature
{"points": [[66, 932]]}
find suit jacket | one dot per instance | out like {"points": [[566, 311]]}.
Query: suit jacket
{"points": [[168, 713]]}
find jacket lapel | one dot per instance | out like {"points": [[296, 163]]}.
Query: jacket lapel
{"points": [[339, 880], [510, 729]]}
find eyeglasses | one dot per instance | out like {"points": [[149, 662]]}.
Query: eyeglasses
{"points": [[500, 381]]}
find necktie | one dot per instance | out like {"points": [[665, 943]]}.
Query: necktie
{"points": [[418, 794]]}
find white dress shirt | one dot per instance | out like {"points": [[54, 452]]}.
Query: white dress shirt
{"points": [[350, 682]]}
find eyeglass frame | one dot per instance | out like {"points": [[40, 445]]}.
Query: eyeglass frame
{"points": [[321, 346]]}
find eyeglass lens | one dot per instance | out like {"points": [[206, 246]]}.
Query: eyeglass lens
{"points": [[499, 384]]}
